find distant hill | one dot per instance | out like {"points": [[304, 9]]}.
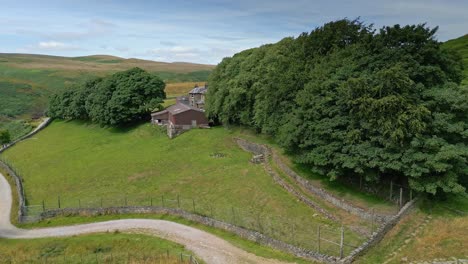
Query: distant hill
{"points": [[26, 80], [104, 63], [461, 46]]}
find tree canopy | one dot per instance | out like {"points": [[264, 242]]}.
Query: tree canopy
{"points": [[354, 101], [115, 100], [5, 137]]}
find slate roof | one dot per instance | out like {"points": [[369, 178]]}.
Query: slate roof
{"points": [[159, 113], [177, 109], [199, 90]]}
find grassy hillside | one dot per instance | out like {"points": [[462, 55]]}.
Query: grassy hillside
{"points": [[95, 248], [85, 163], [435, 232], [27, 80], [461, 46]]}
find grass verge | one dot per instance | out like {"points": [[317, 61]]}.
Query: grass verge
{"points": [[246, 245], [94, 248]]}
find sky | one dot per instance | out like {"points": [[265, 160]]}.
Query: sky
{"points": [[199, 31]]}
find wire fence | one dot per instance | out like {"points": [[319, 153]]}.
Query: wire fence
{"points": [[169, 257], [388, 190], [308, 232], [298, 231]]}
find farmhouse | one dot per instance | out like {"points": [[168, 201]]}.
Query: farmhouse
{"points": [[197, 96], [179, 118]]}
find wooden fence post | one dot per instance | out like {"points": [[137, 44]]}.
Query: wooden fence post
{"points": [[79, 203], [178, 201], [401, 197], [193, 203], [293, 232], [342, 243], [233, 215], [391, 190], [151, 201], [43, 206], [58, 200]]}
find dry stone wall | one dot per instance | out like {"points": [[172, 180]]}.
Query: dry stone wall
{"points": [[341, 203], [239, 231], [380, 233], [32, 133], [387, 222], [304, 183], [258, 149], [14, 175], [19, 190]]}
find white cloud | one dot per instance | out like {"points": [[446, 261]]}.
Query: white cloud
{"points": [[51, 45], [55, 45]]}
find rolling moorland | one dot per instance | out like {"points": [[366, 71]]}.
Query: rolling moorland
{"points": [[27, 81], [79, 162]]}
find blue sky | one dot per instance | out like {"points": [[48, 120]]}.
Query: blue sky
{"points": [[202, 31]]}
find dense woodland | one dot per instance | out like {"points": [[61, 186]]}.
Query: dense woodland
{"points": [[352, 101], [119, 99]]}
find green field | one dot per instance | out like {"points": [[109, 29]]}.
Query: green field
{"points": [[83, 163], [95, 248]]}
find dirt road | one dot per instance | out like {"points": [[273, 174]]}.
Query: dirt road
{"points": [[206, 246]]}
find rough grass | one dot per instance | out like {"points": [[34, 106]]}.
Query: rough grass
{"points": [[83, 163], [430, 232], [101, 248], [183, 88], [17, 128]]}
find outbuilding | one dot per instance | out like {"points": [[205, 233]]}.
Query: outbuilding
{"points": [[179, 118]]}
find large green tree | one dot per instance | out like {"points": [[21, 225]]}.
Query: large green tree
{"points": [[115, 100], [350, 101]]}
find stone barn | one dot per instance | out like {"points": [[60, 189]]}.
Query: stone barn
{"points": [[179, 118]]}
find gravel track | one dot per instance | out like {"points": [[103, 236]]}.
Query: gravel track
{"points": [[206, 246]]}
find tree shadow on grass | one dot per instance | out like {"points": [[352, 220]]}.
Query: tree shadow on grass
{"points": [[120, 129]]}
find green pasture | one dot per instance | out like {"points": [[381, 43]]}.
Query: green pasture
{"points": [[79, 164]]}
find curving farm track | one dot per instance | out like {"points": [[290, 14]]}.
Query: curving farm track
{"points": [[206, 246]]}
